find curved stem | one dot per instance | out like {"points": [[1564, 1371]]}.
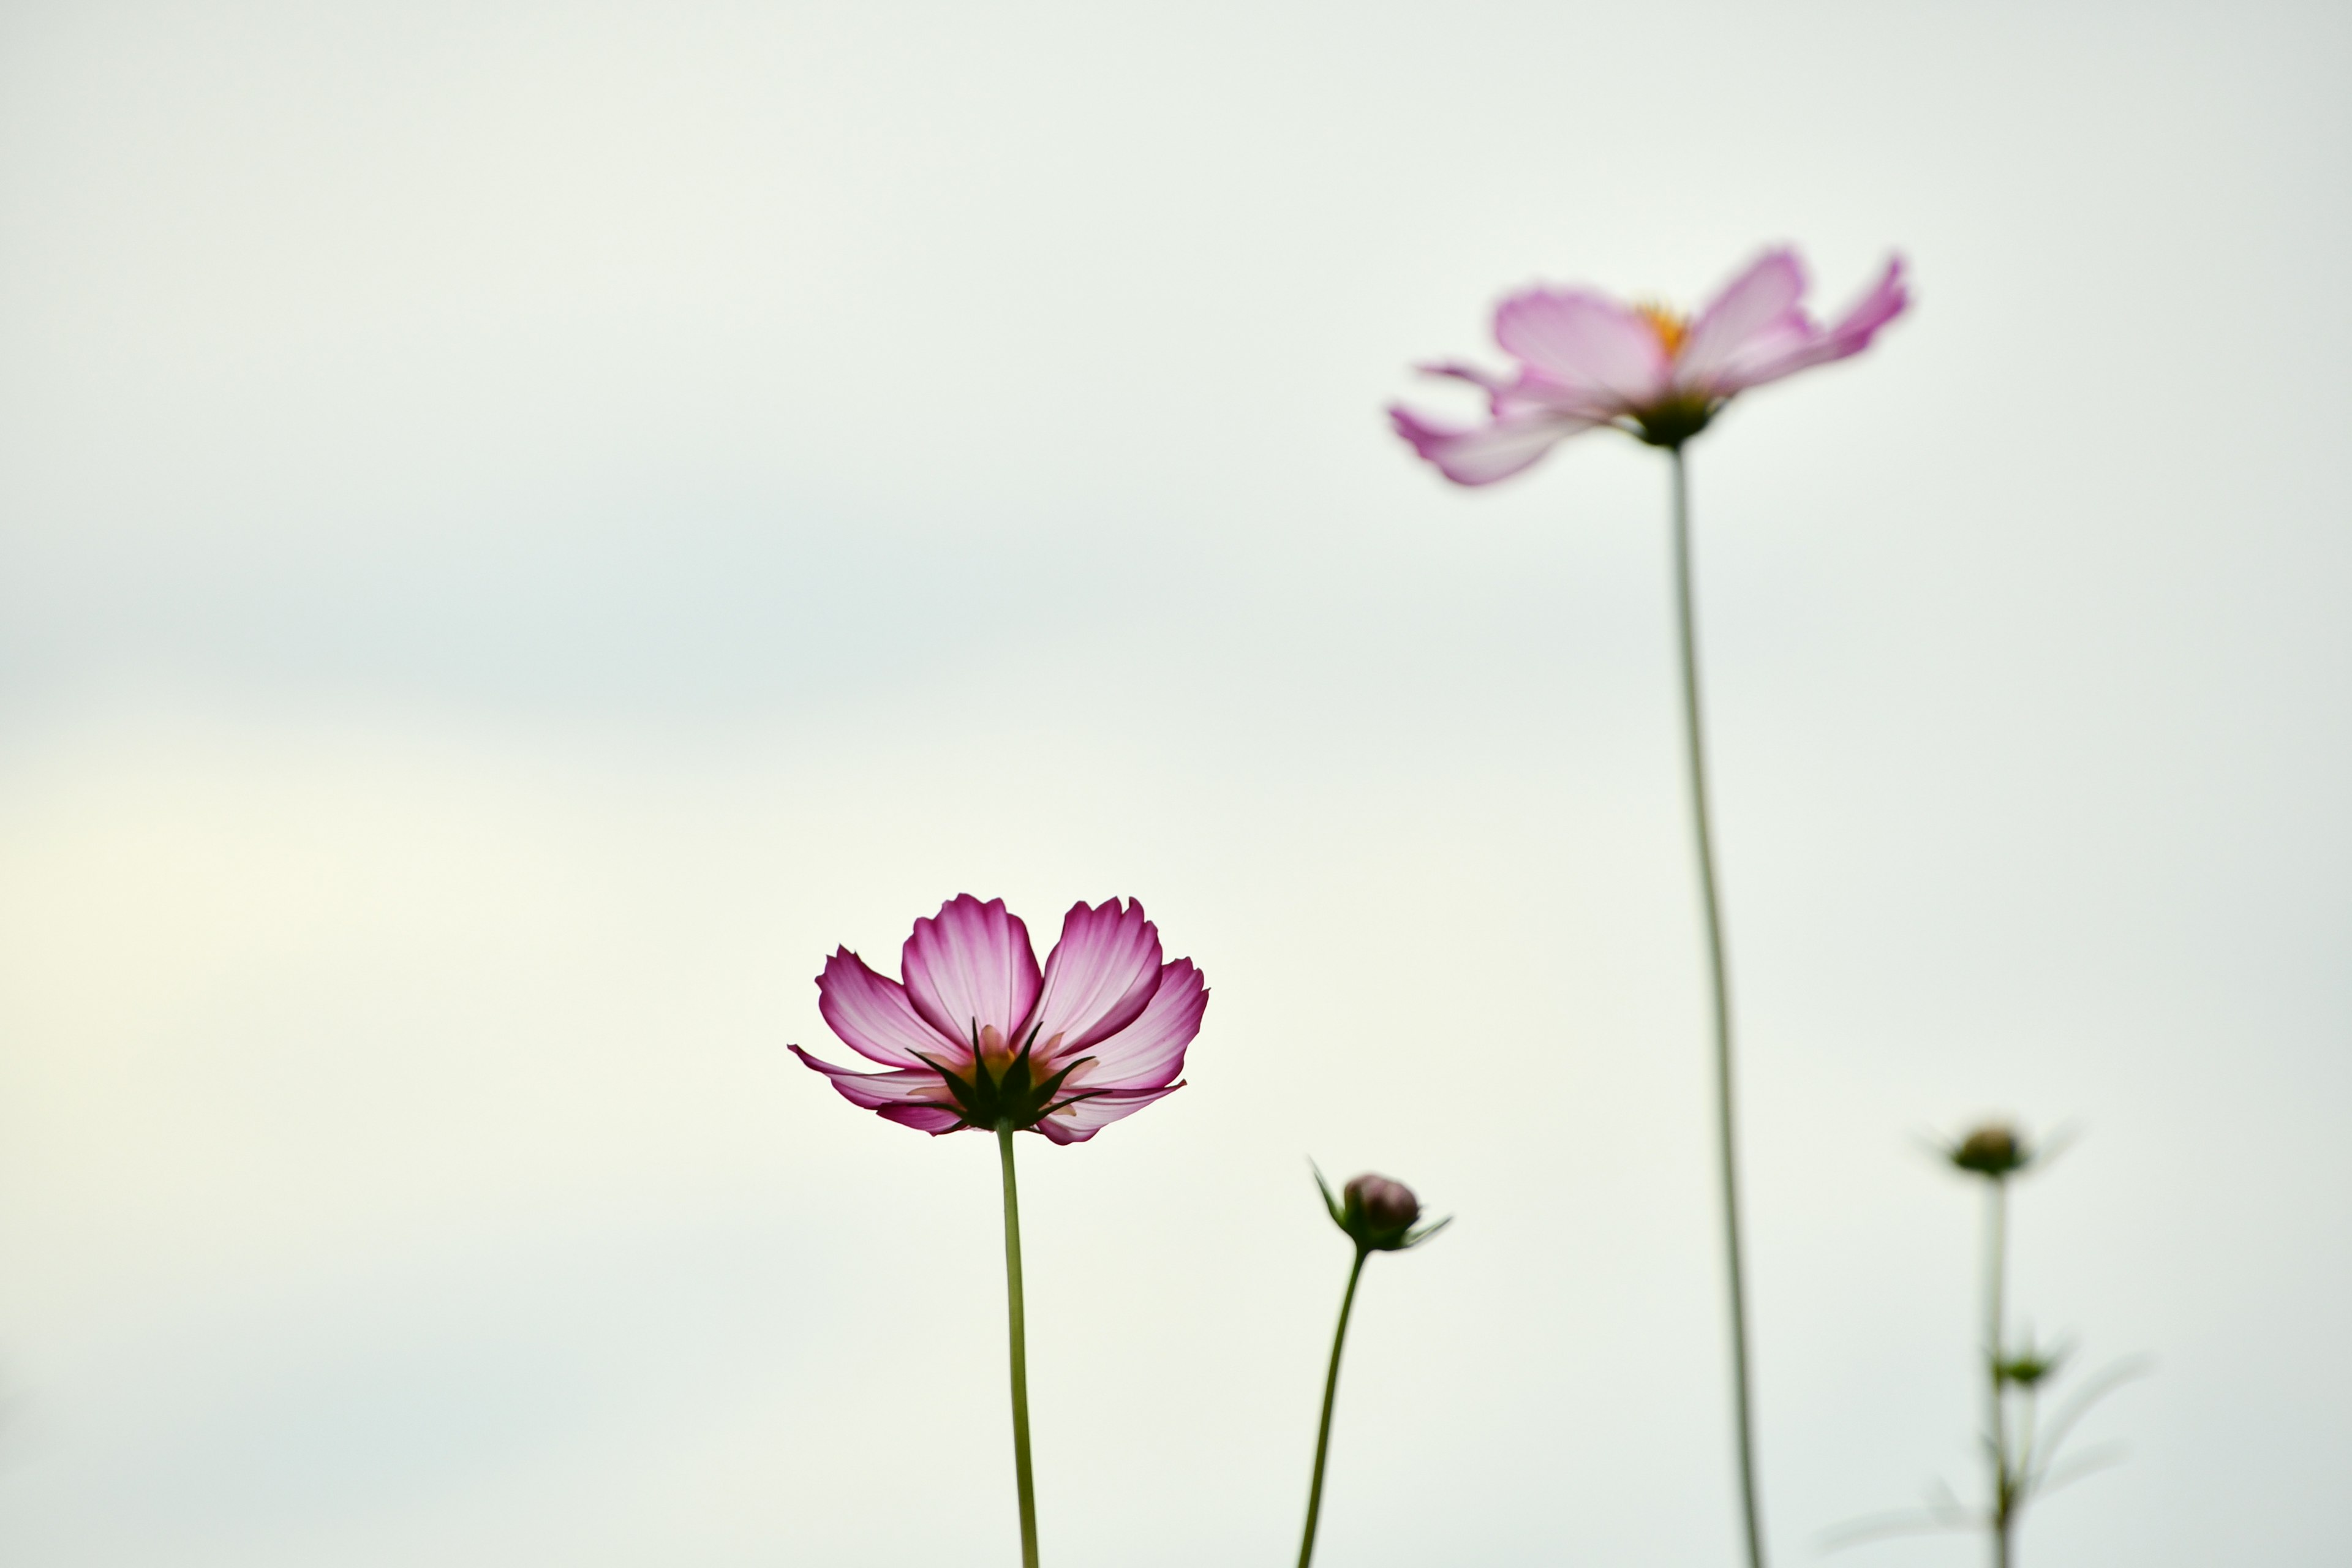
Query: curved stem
{"points": [[1742, 1400], [1330, 1393], [1018, 1329]]}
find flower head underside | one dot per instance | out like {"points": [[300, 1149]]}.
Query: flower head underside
{"points": [[976, 1036], [1584, 360]]}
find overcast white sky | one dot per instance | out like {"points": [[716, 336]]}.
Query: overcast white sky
{"points": [[521, 527]]}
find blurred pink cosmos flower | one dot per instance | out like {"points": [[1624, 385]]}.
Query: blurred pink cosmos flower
{"points": [[1585, 360], [977, 1038]]}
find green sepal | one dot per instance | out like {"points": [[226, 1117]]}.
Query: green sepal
{"points": [[988, 1101], [1675, 421], [1415, 1236], [1338, 1216]]}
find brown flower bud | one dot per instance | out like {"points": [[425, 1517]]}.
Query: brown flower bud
{"points": [[1993, 1150]]}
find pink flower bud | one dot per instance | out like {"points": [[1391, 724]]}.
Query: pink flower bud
{"points": [[1386, 1206], [1379, 1215]]}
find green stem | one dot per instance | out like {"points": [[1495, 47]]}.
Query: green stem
{"points": [[1018, 1329], [2004, 1496], [1330, 1393], [1742, 1401]]}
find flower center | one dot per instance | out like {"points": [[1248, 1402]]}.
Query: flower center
{"points": [[1670, 326], [1007, 1085]]}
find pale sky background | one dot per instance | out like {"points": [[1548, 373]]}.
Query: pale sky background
{"points": [[521, 527]]}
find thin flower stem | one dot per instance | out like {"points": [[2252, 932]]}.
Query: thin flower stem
{"points": [[2004, 1495], [1018, 1330], [1330, 1393], [1742, 1400]]}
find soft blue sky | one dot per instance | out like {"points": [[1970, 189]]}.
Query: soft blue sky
{"points": [[521, 527]]}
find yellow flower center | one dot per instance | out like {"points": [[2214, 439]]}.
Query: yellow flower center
{"points": [[1669, 325]]}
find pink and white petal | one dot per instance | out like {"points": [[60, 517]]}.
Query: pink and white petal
{"points": [[932, 1119], [1077, 1123], [1848, 335], [1879, 304], [875, 1091], [1588, 343], [1150, 1052], [1485, 381], [874, 1018], [1758, 360], [970, 967], [1100, 977], [1490, 452], [1764, 302], [1534, 392]]}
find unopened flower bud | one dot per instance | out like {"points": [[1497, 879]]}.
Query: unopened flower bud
{"points": [[1379, 1215], [1386, 1206], [1993, 1150]]}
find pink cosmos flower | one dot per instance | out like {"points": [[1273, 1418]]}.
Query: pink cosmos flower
{"points": [[977, 1038], [1585, 360]]}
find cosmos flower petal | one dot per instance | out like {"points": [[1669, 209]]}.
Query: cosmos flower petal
{"points": [[1077, 1123], [1849, 335], [970, 966], [1489, 452], [874, 1018], [1762, 305], [1485, 381], [1881, 303], [877, 1090], [1535, 393], [1101, 975], [1150, 1052], [932, 1119], [1586, 342]]}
